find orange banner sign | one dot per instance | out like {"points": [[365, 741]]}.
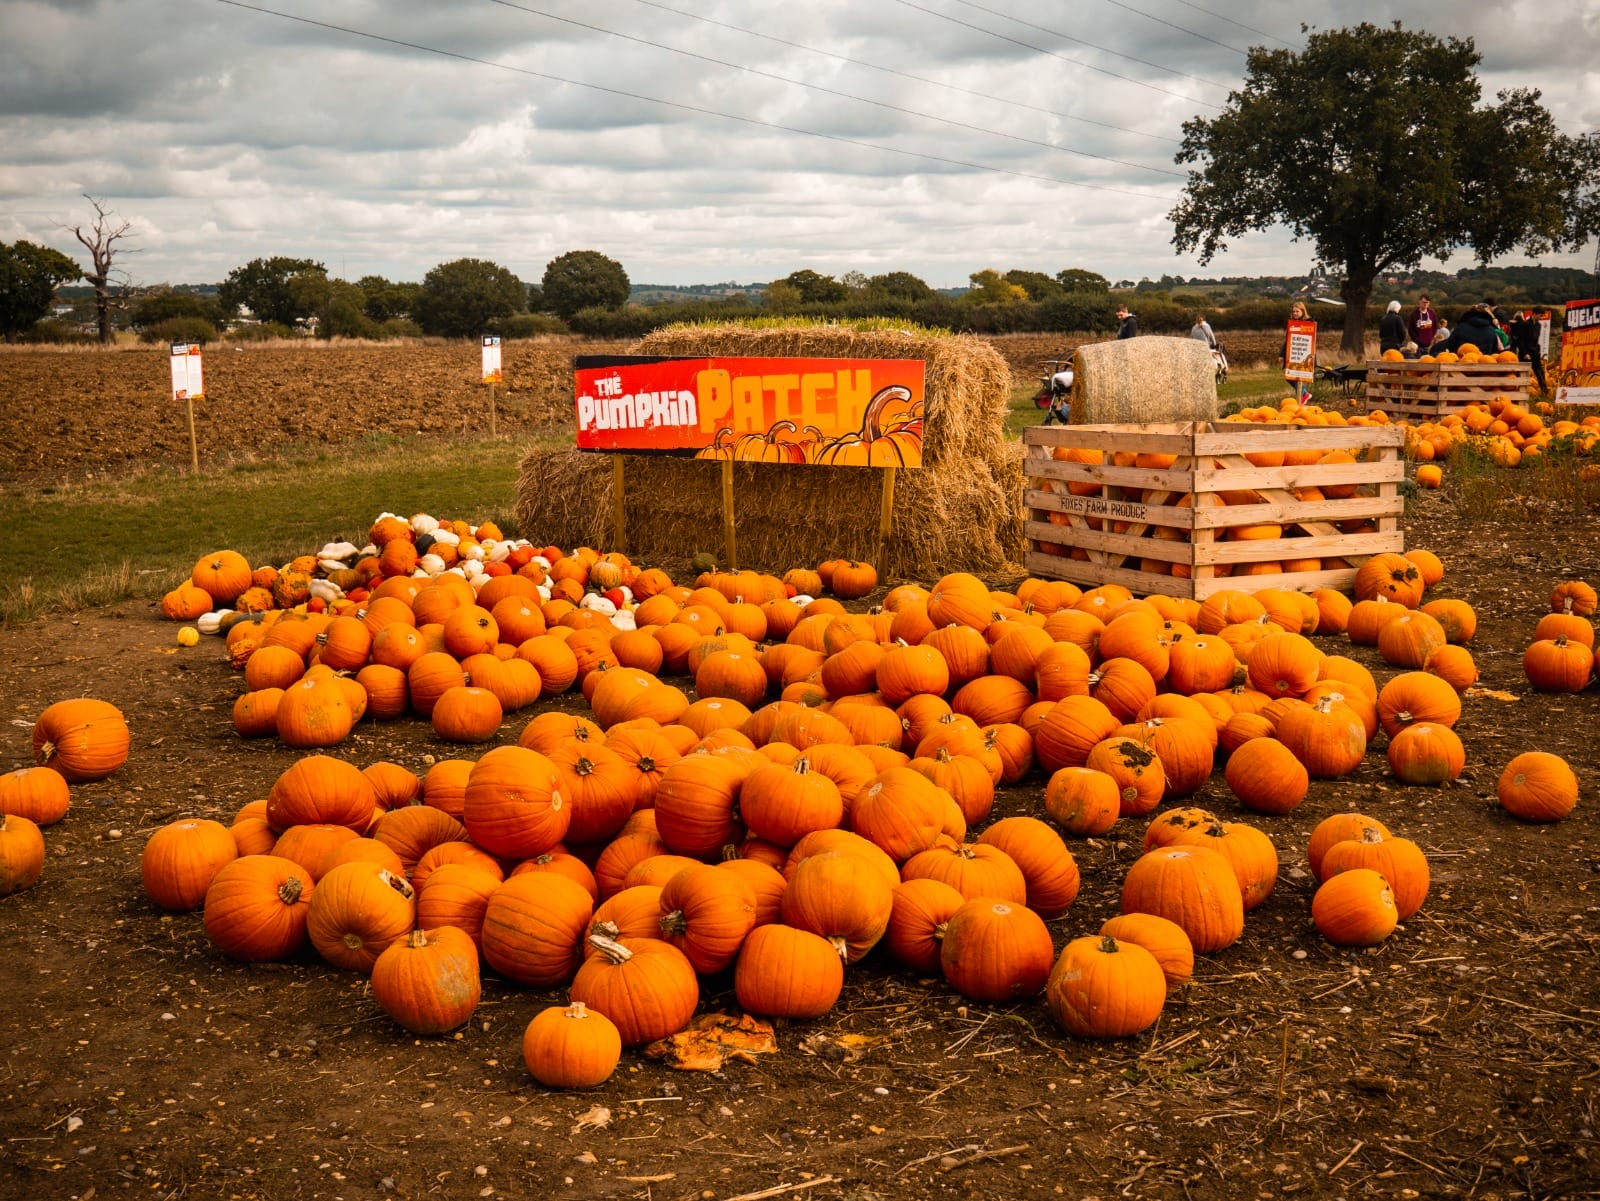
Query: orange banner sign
{"points": [[837, 412]]}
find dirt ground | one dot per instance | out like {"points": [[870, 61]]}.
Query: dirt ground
{"points": [[1458, 1059], [81, 414]]}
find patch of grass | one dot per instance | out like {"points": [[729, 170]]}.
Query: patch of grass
{"points": [[1542, 486], [140, 536]]}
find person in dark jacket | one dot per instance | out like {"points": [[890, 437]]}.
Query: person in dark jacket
{"points": [[1525, 341], [1127, 323], [1477, 327], [1392, 334]]}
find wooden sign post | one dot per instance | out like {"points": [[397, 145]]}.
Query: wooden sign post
{"points": [[886, 519], [730, 549], [492, 375], [188, 382], [619, 510]]}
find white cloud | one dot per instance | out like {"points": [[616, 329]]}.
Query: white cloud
{"points": [[225, 134]]}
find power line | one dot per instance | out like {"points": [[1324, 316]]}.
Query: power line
{"points": [[1077, 62], [1143, 62], [857, 62], [1239, 24], [1170, 25], [691, 108], [827, 91]]}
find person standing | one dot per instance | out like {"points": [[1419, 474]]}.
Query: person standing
{"points": [[1424, 323], [1392, 329], [1127, 323], [1201, 331], [1525, 341]]}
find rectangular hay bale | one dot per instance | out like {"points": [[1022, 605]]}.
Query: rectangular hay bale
{"points": [[1151, 507], [961, 510]]}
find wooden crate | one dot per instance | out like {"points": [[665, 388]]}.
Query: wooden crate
{"points": [[1122, 524], [1417, 389]]}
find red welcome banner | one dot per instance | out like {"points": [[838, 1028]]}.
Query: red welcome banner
{"points": [[1578, 380], [836, 412]]}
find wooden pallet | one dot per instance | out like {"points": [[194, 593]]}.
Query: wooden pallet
{"points": [[1417, 389], [1163, 529]]}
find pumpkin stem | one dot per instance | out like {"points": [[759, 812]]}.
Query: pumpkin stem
{"points": [[842, 947], [1109, 945], [611, 948], [398, 883], [289, 891], [419, 939], [577, 1010], [674, 923]]}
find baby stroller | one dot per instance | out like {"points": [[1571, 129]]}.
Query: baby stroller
{"points": [[1055, 391], [1221, 361]]}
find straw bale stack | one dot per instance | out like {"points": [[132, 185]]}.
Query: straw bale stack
{"points": [[961, 510], [1139, 380]]}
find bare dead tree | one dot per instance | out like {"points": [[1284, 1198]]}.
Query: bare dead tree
{"points": [[110, 286]]}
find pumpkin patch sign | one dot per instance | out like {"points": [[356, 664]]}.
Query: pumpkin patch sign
{"points": [[837, 412]]}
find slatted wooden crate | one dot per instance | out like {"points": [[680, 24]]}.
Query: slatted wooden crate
{"points": [[1417, 389], [1154, 515]]}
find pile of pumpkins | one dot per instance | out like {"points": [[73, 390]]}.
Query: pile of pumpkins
{"points": [[828, 789], [1505, 430], [74, 742], [1562, 657]]}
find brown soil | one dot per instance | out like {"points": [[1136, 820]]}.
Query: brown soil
{"points": [[1458, 1059], [73, 415]]}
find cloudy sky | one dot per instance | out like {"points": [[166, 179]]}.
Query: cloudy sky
{"points": [[694, 141]]}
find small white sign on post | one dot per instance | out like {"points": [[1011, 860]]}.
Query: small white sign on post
{"points": [[188, 382], [491, 375], [187, 378]]}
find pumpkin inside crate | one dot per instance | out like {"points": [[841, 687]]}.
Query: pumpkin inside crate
{"points": [[1190, 508]]}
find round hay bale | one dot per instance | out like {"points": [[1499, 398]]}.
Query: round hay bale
{"points": [[1138, 380]]}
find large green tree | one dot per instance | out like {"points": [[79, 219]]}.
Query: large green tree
{"points": [[1080, 279], [583, 279], [990, 287], [264, 286], [1036, 284], [337, 304], [815, 288], [164, 304], [29, 276], [1371, 143], [386, 300], [901, 285], [459, 299]]}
